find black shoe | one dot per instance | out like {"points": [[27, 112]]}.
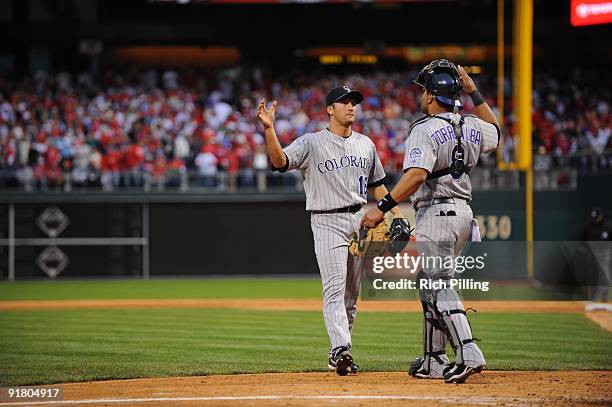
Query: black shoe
{"points": [[415, 365], [331, 365], [416, 369], [342, 359], [459, 373], [448, 368]]}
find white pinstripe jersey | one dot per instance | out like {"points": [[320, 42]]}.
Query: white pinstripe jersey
{"points": [[336, 170], [430, 144]]}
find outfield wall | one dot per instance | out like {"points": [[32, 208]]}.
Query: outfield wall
{"points": [[128, 235]]}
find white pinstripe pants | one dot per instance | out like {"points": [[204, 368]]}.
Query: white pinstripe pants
{"points": [[441, 235], [340, 272]]}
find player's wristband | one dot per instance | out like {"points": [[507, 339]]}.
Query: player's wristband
{"points": [[477, 98], [386, 204]]}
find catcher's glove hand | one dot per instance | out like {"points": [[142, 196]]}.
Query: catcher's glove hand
{"points": [[400, 233], [370, 242]]}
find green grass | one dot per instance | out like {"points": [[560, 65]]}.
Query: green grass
{"points": [[149, 289], [235, 288], [40, 347]]}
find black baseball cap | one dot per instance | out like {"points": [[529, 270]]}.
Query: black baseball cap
{"points": [[596, 212], [342, 92]]}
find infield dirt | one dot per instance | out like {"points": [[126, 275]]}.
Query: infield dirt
{"points": [[560, 388]]}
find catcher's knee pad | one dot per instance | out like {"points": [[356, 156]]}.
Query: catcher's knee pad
{"points": [[452, 314], [434, 337]]}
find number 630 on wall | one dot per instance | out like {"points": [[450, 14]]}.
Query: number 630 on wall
{"points": [[494, 227]]}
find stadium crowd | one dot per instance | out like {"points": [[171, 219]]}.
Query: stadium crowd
{"points": [[159, 128]]}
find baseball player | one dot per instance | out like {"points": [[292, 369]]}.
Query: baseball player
{"points": [[441, 149], [339, 166]]}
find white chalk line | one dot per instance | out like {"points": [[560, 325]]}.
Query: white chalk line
{"points": [[482, 400]]}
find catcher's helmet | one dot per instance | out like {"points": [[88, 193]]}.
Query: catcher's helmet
{"points": [[441, 78]]}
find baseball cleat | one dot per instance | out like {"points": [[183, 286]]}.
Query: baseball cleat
{"points": [[438, 367], [416, 369], [421, 374], [342, 359], [331, 366], [460, 373]]}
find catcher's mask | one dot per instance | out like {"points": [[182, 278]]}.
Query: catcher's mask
{"points": [[441, 78]]}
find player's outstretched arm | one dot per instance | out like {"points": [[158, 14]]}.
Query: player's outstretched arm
{"points": [[410, 182], [266, 117], [482, 109], [379, 192]]}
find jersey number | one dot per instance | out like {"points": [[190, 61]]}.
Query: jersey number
{"points": [[363, 185]]}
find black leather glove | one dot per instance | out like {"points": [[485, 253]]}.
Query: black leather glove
{"points": [[400, 232]]}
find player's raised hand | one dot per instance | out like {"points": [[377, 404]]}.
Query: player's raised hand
{"points": [[468, 83], [265, 115]]}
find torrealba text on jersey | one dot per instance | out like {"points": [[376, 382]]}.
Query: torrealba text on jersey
{"points": [[447, 133]]}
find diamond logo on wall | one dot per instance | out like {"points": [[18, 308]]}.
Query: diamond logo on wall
{"points": [[53, 221], [52, 261]]}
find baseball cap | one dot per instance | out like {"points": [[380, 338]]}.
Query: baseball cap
{"points": [[596, 212], [341, 92]]}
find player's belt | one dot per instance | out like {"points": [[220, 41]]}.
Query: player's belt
{"points": [[352, 209], [438, 201]]}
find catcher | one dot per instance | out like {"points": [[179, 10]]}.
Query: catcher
{"points": [[442, 149]]}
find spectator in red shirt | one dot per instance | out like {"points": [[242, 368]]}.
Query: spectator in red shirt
{"points": [[111, 176], [133, 157]]}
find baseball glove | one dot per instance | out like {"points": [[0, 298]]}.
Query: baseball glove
{"points": [[370, 242], [399, 235], [376, 241]]}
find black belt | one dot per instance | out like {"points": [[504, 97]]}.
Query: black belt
{"points": [[346, 209]]}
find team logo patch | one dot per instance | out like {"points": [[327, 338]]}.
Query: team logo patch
{"points": [[415, 153]]}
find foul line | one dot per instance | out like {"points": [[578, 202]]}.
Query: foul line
{"points": [[484, 400], [450, 399]]}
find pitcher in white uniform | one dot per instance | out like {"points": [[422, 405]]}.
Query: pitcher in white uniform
{"points": [[441, 150], [339, 166]]}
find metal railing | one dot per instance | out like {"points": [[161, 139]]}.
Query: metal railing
{"points": [[561, 173]]}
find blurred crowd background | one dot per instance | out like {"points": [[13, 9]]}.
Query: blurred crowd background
{"points": [[165, 128], [160, 94]]}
